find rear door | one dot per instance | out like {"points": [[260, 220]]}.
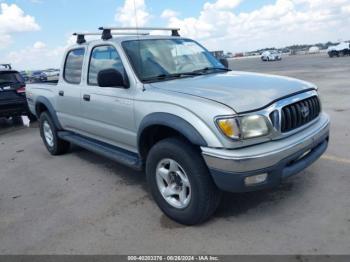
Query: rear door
{"points": [[107, 112], [69, 88]]}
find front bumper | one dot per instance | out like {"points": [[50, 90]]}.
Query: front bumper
{"points": [[279, 159]]}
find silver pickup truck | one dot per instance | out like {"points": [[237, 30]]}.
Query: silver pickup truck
{"points": [[165, 105]]}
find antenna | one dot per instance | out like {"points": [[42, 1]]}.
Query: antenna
{"points": [[107, 30]]}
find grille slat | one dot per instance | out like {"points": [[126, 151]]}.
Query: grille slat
{"points": [[283, 120], [294, 117], [311, 109], [288, 118], [299, 114]]}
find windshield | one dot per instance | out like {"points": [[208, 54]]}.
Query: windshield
{"points": [[10, 78], [155, 58]]}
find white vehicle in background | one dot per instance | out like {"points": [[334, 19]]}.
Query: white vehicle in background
{"points": [[50, 75], [341, 49], [271, 55]]}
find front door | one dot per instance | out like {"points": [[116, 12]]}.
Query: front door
{"points": [[108, 112]]}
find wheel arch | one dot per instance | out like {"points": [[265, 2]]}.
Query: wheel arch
{"points": [[158, 126], [43, 104]]}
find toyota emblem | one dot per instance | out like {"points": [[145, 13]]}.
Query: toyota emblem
{"points": [[305, 111]]}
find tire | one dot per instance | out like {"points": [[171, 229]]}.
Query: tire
{"points": [[203, 197], [55, 146]]}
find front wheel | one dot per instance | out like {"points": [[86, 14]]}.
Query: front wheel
{"points": [[180, 182]]}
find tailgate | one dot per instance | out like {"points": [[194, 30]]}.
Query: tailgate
{"points": [[10, 95]]}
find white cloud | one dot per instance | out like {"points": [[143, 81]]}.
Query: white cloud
{"points": [[222, 4], [39, 45], [285, 22], [41, 56], [133, 13], [168, 13], [14, 20], [37, 56]]}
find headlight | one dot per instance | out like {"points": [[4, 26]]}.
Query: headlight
{"points": [[245, 127], [254, 126]]}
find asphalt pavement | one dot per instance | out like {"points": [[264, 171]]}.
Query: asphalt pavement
{"points": [[81, 203]]}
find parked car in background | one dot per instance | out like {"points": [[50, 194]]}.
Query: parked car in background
{"points": [[25, 75], [165, 105], [35, 76], [13, 102], [271, 55], [342, 49], [50, 75]]}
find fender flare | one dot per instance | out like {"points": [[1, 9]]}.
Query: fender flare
{"points": [[52, 112], [174, 122]]}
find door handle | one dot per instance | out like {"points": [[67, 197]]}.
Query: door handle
{"points": [[86, 97], [61, 93]]}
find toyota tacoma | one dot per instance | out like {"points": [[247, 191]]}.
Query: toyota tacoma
{"points": [[165, 105]]}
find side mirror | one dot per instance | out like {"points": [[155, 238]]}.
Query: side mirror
{"points": [[224, 62], [111, 78]]}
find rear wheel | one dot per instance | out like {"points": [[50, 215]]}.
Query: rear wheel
{"points": [[180, 182], [48, 132]]}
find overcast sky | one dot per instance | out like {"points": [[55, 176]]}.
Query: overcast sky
{"points": [[34, 33]]}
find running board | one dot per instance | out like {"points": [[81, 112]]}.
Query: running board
{"points": [[112, 152]]}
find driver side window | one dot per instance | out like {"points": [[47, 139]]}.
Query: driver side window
{"points": [[104, 57]]}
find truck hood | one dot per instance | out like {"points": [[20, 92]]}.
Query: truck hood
{"points": [[240, 91]]}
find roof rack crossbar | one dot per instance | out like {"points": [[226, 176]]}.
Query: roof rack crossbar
{"points": [[7, 66], [81, 36], [107, 30]]}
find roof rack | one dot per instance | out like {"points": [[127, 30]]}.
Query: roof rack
{"points": [[107, 31], [7, 66], [81, 36]]}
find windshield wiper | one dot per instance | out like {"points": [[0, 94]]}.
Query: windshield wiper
{"points": [[206, 69], [166, 77], [185, 74]]}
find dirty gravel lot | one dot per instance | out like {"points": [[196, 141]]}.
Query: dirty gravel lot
{"points": [[81, 203]]}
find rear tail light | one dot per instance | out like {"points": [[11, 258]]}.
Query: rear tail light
{"points": [[21, 90]]}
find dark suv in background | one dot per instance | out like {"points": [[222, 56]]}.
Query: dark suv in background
{"points": [[13, 102]]}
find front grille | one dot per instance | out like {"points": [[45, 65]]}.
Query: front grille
{"points": [[300, 113]]}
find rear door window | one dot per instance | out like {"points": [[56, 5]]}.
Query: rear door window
{"points": [[9, 78], [74, 66]]}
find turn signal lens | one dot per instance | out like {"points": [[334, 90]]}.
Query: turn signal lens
{"points": [[229, 127]]}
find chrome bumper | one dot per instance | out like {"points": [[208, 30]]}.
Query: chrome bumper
{"points": [[268, 154]]}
